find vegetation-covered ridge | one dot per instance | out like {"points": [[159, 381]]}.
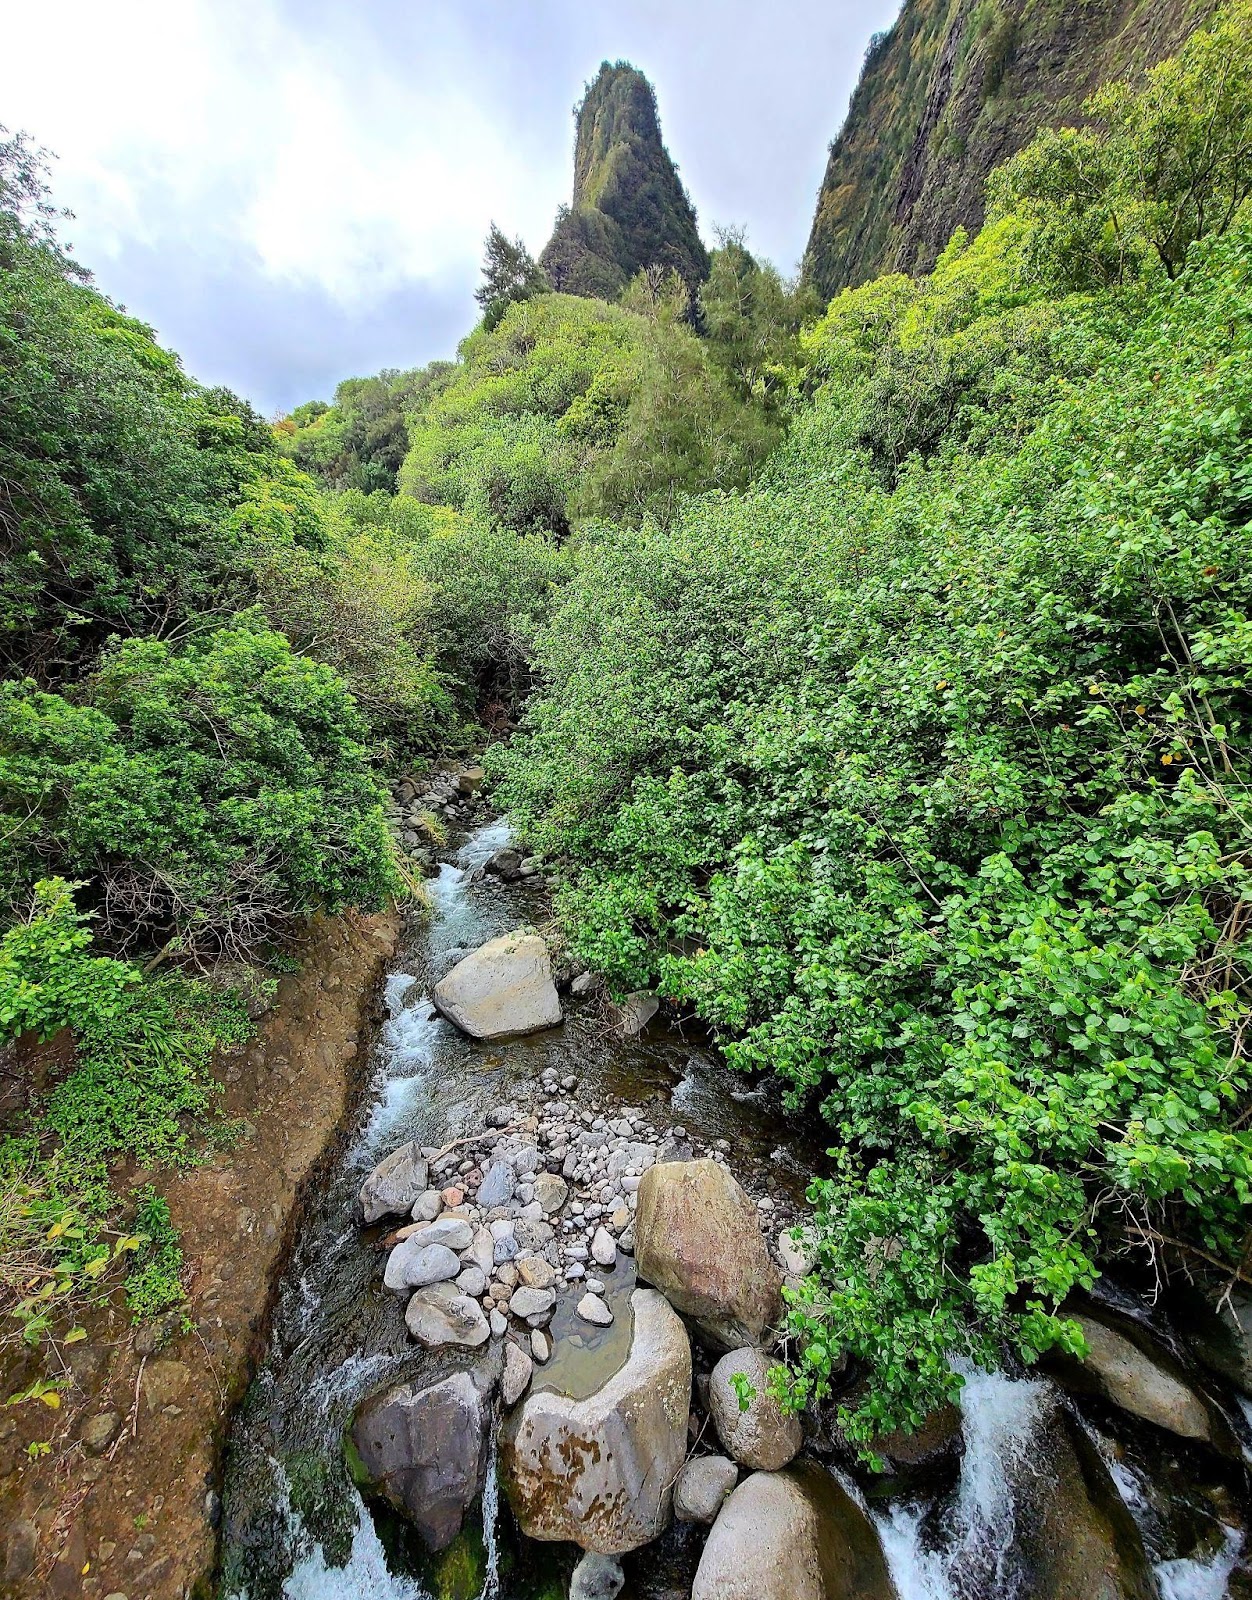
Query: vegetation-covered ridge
{"points": [[920, 769], [630, 210], [950, 91]]}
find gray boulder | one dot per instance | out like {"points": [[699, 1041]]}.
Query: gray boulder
{"points": [[702, 1486], [518, 1368], [794, 1535], [636, 1012], [394, 1184], [599, 1470], [698, 1241], [413, 1265], [502, 989], [425, 1450], [761, 1435], [442, 1315]]}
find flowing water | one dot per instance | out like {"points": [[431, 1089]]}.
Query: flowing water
{"points": [[295, 1527]]}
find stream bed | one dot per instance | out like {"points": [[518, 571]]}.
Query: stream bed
{"points": [[295, 1527]]}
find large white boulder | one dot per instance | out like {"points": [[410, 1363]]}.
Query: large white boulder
{"points": [[600, 1471], [794, 1535], [698, 1241], [504, 988]]}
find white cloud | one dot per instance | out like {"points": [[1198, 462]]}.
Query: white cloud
{"points": [[223, 122]]}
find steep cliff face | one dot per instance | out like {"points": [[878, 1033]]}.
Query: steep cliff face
{"points": [[955, 88], [630, 209]]}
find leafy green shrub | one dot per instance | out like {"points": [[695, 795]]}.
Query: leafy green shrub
{"points": [[210, 794], [927, 788]]}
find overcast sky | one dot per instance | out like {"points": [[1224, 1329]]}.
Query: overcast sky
{"points": [[296, 193]]}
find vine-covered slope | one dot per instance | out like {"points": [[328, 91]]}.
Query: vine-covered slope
{"points": [[950, 92], [630, 209]]}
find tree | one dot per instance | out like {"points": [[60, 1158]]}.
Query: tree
{"points": [[1154, 171], [510, 273], [750, 316]]}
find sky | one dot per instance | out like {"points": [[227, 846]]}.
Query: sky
{"points": [[292, 194]]}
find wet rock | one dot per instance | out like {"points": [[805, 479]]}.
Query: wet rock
{"points": [[697, 1239], [702, 1486], [506, 864], [442, 1315], [1145, 1386], [498, 1186], [532, 1302], [592, 1309], [597, 1577], [599, 1470], [503, 989], [636, 1012], [518, 1368], [414, 1265], [394, 1184], [425, 1450], [1222, 1341], [794, 1535], [1075, 1535], [761, 1435]]}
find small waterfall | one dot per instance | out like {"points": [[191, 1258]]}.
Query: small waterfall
{"points": [[975, 1555], [491, 1524]]}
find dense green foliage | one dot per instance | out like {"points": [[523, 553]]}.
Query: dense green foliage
{"points": [[630, 210], [510, 274], [572, 408], [920, 771], [360, 440]]}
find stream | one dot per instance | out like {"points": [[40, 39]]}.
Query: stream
{"points": [[295, 1527]]}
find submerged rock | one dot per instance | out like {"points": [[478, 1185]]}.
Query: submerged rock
{"points": [[424, 1448], [794, 1535], [599, 1471], [502, 989], [698, 1241], [394, 1184], [758, 1434]]}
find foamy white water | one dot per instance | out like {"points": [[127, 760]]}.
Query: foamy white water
{"points": [[999, 1417]]}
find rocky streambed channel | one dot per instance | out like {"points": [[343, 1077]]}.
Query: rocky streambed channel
{"points": [[522, 1348]]}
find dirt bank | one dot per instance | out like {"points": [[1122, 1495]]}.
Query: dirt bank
{"points": [[125, 1502]]}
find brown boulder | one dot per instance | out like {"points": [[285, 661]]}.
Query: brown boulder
{"points": [[698, 1241]]}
